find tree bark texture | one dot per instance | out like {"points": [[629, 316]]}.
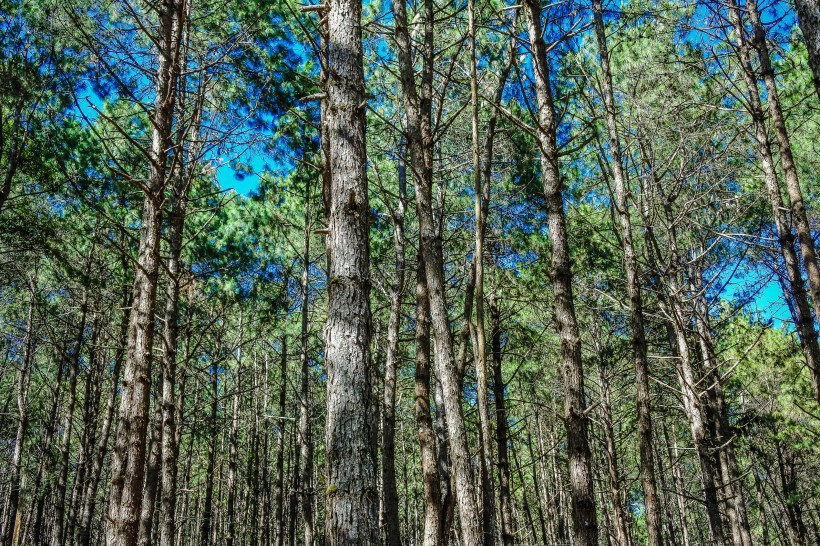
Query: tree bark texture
{"points": [[352, 498], [584, 513]]}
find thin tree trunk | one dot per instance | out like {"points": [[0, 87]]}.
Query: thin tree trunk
{"points": [[715, 406], [95, 472], [584, 514], [804, 322], [794, 510], [73, 371], [433, 524], [149, 491], [622, 534], [482, 198], [389, 516], [501, 427], [352, 496], [633, 289], [205, 528], [797, 205], [233, 440], [279, 505], [10, 513], [305, 396], [420, 144]]}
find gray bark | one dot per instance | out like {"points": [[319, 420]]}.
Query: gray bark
{"points": [[352, 496], [128, 462], [584, 513]]}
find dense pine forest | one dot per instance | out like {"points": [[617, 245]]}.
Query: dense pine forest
{"points": [[409, 272]]}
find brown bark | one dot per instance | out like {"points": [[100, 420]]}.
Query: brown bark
{"points": [[797, 205], [152, 470], [352, 497], [433, 516], [794, 511], [72, 372], [619, 518], [305, 396], [233, 440], [715, 409], [501, 428], [420, 144], [584, 514], [808, 16], [479, 335], [95, 471], [804, 322], [389, 509], [127, 469], [279, 506], [205, 527], [10, 512], [633, 289]]}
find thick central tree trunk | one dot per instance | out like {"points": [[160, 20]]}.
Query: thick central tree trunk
{"points": [[352, 498], [584, 513], [128, 462]]}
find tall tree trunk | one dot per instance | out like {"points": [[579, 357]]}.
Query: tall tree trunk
{"points": [[205, 527], [72, 372], [797, 205], [619, 521], [501, 428], [127, 469], [433, 516], [352, 497], [305, 396], [95, 471], [584, 516], [715, 407], [46, 462], [11, 512], [279, 505], [420, 144], [692, 404], [389, 509], [671, 302], [794, 510], [482, 198], [233, 440], [633, 290], [804, 322], [808, 16], [152, 470]]}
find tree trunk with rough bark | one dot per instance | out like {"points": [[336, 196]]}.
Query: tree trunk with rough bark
{"points": [[633, 290], [501, 428], [12, 506], [804, 322], [352, 496], [797, 205], [128, 462], [420, 144], [808, 17], [433, 516], [389, 509], [584, 513]]}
